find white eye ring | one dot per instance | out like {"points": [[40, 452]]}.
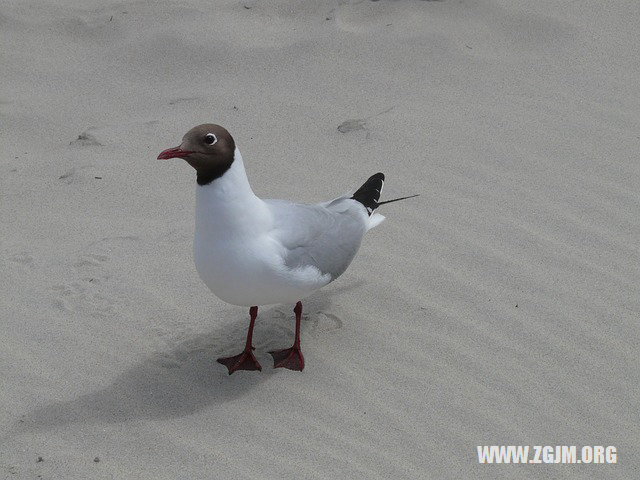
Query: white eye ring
{"points": [[210, 139]]}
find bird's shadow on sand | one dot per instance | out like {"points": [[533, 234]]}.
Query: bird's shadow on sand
{"points": [[181, 380]]}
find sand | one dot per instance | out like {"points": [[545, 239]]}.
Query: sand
{"points": [[499, 307]]}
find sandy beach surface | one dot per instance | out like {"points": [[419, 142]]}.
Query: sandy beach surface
{"points": [[501, 307]]}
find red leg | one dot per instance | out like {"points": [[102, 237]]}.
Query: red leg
{"points": [[291, 358], [244, 360]]}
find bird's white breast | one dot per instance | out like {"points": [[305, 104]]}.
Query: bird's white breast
{"points": [[234, 251]]}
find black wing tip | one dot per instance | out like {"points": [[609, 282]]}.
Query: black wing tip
{"points": [[369, 193], [376, 177]]}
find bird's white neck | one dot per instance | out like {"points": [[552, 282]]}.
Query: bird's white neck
{"points": [[233, 183], [227, 205]]}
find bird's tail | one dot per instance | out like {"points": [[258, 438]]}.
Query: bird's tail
{"points": [[369, 193]]}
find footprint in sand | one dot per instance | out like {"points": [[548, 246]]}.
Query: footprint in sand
{"points": [[90, 259], [84, 296], [320, 323], [23, 258], [352, 125], [356, 124], [87, 293], [86, 139]]}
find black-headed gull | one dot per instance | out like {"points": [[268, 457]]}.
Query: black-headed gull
{"points": [[253, 252]]}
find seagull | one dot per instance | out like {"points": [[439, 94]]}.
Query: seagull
{"points": [[252, 252]]}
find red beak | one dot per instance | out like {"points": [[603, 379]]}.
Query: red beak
{"points": [[173, 153]]}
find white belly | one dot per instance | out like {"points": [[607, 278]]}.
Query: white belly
{"points": [[252, 273], [233, 251]]}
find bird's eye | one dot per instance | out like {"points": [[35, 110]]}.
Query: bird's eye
{"points": [[210, 139]]}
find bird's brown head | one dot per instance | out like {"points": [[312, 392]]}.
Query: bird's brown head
{"points": [[208, 148]]}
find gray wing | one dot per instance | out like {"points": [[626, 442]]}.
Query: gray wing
{"points": [[326, 236]]}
